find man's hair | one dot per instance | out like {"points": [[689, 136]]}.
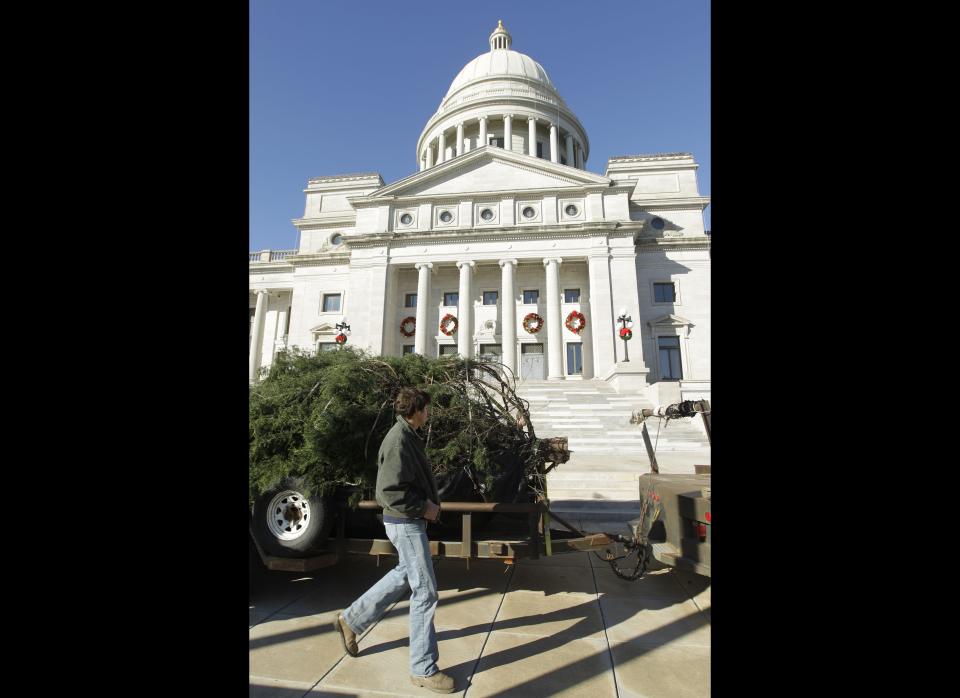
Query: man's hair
{"points": [[410, 400]]}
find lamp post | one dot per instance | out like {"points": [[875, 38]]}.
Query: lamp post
{"points": [[623, 320], [342, 326]]}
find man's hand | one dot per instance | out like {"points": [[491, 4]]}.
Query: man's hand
{"points": [[433, 511]]}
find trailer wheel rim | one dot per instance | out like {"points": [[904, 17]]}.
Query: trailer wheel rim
{"points": [[288, 515]]}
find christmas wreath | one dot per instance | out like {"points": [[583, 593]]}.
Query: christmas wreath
{"points": [[626, 333], [448, 325], [532, 323], [412, 322], [341, 338], [576, 321]]}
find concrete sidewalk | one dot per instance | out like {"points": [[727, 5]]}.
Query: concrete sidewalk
{"points": [[565, 625]]}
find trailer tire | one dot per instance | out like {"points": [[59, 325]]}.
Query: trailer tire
{"points": [[287, 523]]}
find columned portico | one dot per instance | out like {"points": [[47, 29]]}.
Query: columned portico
{"points": [[553, 320], [257, 339], [508, 307], [465, 310], [423, 294]]}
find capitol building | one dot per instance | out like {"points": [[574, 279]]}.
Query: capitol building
{"points": [[501, 243]]}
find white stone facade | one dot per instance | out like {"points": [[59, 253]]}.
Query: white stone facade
{"points": [[477, 219]]}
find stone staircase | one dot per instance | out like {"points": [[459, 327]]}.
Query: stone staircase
{"points": [[600, 482]]}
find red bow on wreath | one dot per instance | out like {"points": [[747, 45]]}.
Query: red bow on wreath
{"points": [[341, 338], [626, 333]]}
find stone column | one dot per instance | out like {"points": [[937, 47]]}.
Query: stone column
{"points": [[459, 150], [554, 144], [465, 310], [423, 293], [429, 156], [532, 136], [553, 320], [508, 131], [257, 339], [442, 148], [423, 163], [482, 140], [508, 314], [570, 151]]}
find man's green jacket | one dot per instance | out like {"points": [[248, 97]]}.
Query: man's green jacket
{"points": [[404, 478]]}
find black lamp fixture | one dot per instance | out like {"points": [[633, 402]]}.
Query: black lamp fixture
{"points": [[623, 320]]}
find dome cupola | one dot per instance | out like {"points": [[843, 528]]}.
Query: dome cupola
{"points": [[503, 98]]}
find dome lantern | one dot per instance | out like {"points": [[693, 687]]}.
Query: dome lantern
{"points": [[500, 38]]}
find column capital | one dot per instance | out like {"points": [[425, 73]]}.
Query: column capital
{"points": [[558, 260], [422, 265], [532, 118], [507, 261], [508, 116], [466, 262], [481, 118]]}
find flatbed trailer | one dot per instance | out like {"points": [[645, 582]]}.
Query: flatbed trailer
{"points": [[539, 539]]}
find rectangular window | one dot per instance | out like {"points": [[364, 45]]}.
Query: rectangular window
{"points": [[498, 142], [531, 348], [669, 348], [491, 350], [664, 293], [531, 296], [326, 346], [451, 298], [410, 300], [571, 295], [539, 149], [574, 359], [490, 297], [331, 302], [408, 348], [448, 349]]}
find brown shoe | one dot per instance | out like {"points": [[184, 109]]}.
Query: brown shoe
{"points": [[348, 637], [438, 683]]}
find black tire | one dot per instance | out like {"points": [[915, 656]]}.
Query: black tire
{"points": [[295, 526]]}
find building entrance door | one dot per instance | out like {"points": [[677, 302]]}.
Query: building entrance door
{"points": [[531, 362]]}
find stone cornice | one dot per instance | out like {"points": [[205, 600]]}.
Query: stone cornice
{"points": [[355, 177], [508, 233], [685, 202], [649, 157], [320, 259], [648, 244], [271, 267], [323, 224]]}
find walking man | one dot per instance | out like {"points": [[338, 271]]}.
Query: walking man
{"points": [[407, 491]]}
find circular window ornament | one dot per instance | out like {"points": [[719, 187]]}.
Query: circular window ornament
{"points": [[529, 212], [406, 219], [571, 210], [657, 223], [336, 239], [446, 216], [486, 214]]}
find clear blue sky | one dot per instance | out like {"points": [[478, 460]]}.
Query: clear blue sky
{"points": [[339, 87]]}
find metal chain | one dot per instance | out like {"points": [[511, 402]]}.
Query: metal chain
{"points": [[643, 561]]}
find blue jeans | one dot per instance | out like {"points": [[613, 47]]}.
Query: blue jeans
{"points": [[415, 572]]}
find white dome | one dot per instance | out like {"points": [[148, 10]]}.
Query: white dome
{"points": [[500, 63]]}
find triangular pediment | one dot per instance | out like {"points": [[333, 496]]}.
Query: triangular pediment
{"points": [[322, 328], [671, 320], [491, 169]]}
